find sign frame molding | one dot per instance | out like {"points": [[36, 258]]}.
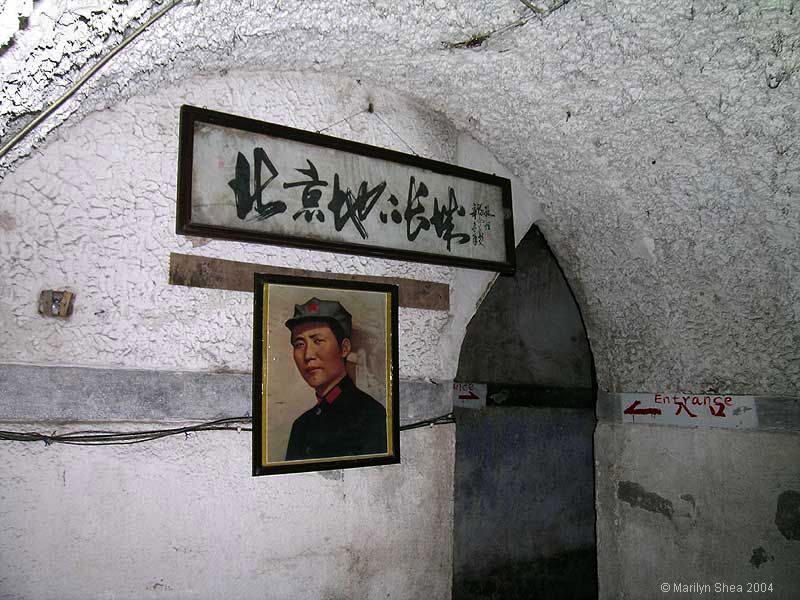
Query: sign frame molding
{"points": [[190, 115]]}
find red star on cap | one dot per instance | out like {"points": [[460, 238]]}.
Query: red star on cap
{"points": [[313, 307]]}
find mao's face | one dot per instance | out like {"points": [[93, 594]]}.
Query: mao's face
{"points": [[318, 355]]}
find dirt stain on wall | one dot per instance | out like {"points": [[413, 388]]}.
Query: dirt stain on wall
{"points": [[635, 495], [787, 514], [7, 221]]}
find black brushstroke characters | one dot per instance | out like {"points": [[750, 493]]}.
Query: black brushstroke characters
{"points": [[346, 207], [311, 195], [349, 207], [240, 185]]}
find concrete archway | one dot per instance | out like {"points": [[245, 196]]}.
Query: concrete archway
{"points": [[524, 522]]}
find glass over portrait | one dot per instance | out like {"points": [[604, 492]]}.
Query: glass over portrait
{"points": [[325, 384]]}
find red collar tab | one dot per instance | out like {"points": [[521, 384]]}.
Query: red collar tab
{"points": [[330, 396]]}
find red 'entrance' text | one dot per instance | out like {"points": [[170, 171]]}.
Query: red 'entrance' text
{"points": [[716, 404]]}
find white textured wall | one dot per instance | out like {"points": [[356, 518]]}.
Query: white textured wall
{"points": [[183, 518], [94, 211], [658, 142]]}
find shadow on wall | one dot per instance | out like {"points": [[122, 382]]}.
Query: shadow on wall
{"points": [[564, 575], [528, 329], [524, 518]]}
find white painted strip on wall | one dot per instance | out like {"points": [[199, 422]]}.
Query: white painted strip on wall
{"points": [[469, 395], [690, 410], [42, 393]]}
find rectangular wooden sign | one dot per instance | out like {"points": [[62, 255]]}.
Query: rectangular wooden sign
{"points": [[254, 181], [220, 274]]}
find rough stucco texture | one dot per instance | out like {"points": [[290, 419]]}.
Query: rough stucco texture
{"points": [[95, 212], [694, 506], [659, 139], [178, 518], [48, 47]]}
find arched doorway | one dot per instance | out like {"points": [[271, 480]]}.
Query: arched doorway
{"points": [[524, 476]]}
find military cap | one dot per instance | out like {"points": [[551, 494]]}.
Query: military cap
{"points": [[322, 310]]}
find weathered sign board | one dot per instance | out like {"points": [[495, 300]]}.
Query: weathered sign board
{"points": [[254, 181], [690, 410], [469, 395]]}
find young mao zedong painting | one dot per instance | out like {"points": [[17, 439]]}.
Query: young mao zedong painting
{"points": [[324, 375]]}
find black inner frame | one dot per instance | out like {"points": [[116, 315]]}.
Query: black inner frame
{"points": [[191, 114]]}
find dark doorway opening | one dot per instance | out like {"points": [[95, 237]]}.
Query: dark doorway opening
{"points": [[524, 520]]}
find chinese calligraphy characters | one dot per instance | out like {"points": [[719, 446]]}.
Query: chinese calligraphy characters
{"points": [[420, 214]]}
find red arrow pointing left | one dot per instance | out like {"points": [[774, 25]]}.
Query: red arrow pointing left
{"points": [[632, 410], [470, 396]]}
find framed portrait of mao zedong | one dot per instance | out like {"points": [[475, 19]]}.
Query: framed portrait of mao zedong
{"points": [[325, 375]]}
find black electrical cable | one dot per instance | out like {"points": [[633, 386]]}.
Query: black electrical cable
{"points": [[116, 438], [442, 420], [112, 438], [5, 149]]}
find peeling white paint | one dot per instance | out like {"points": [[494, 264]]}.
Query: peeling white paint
{"points": [[13, 14], [60, 38], [655, 145], [626, 122], [95, 212], [180, 518]]}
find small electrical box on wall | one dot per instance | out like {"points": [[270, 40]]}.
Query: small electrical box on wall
{"points": [[53, 303]]}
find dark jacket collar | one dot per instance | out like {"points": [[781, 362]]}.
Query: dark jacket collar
{"points": [[345, 385]]}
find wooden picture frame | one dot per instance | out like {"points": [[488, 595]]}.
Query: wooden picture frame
{"points": [[254, 181], [325, 374]]}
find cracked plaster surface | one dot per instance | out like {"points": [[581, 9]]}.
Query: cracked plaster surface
{"points": [[95, 213], [55, 40], [660, 140], [714, 517], [13, 15], [194, 547]]}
